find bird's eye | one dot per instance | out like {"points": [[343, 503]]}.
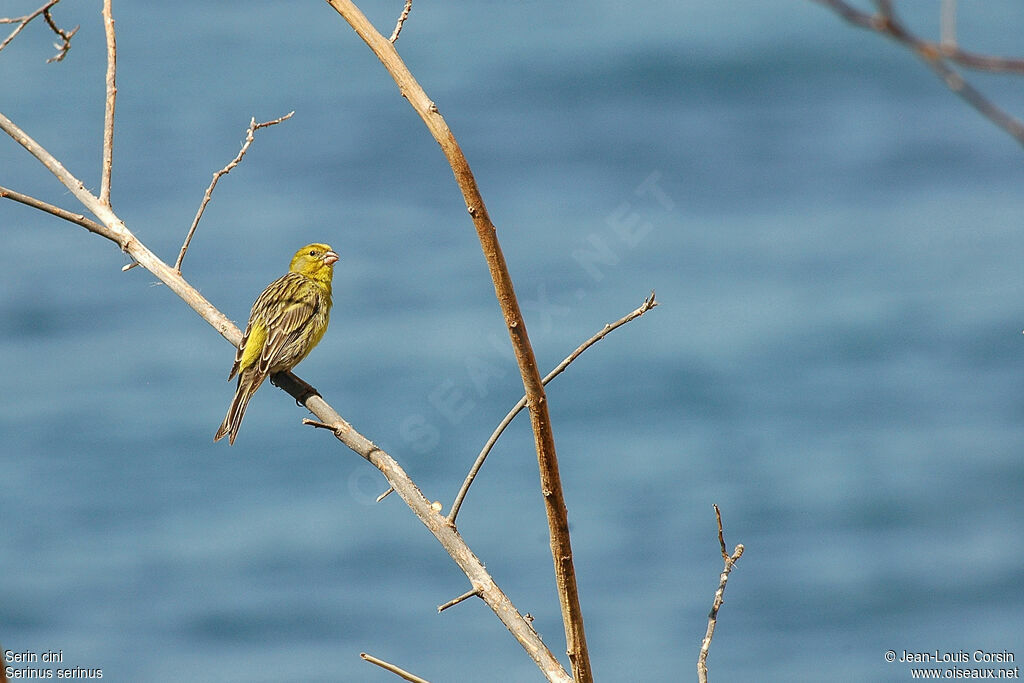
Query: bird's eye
{"points": [[312, 252]]}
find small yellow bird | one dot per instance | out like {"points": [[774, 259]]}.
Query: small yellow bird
{"points": [[288, 319]]}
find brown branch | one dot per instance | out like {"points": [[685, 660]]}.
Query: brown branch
{"points": [[730, 562], [44, 11], [77, 218], [111, 98], [249, 137], [401, 20], [402, 673], [65, 38], [946, 46], [114, 229], [540, 420], [111, 227], [935, 56], [454, 601], [507, 420]]}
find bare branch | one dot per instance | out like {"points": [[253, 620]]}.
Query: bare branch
{"points": [[65, 38], [249, 137], [730, 562], [111, 227], [540, 418], [317, 424], [446, 534], [946, 47], [454, 601], [478, 463], [401, 20], [947, 24], [115, 230], [76, 218], [22, 22], [721, 534], [935, 56], [111, 98], [393, 669]]}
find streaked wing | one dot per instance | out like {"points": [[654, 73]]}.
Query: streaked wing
{"points": [[240, 350], [286, 319]]}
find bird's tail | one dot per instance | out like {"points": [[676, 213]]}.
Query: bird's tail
{"points": [[248, 383]]}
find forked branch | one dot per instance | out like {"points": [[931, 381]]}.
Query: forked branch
{"points": [[65, 36], [730, 562], [111, 227], [937, 56]]}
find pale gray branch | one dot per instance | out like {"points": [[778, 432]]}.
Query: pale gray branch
{"points": [[108, 109], [393, 669], [947, 25]]}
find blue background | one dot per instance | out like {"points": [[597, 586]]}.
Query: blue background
{"points": [[836, 361]]}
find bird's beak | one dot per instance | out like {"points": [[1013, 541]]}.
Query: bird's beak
{"points": [[330, 258]]}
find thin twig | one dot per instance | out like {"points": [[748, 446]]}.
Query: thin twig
{"points": [[317, 424], [249, 137], [454, 601], [22, 22], [971, 60], [947, 24], [393, 669], [108, 114], [478, 463], [721, 534], [65, 38], [391, 489], [115, 230], [935, 55], [730, 562], [540, 418], [111, 227], [401, 21], [446, 534], [77, 218]]}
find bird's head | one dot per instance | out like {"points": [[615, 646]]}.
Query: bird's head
{"points": [[315, 261]]}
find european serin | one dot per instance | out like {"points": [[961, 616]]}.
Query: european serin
{"points": [[288, 319]]}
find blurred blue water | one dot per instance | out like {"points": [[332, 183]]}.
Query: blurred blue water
{"points": [[835, 239]]}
